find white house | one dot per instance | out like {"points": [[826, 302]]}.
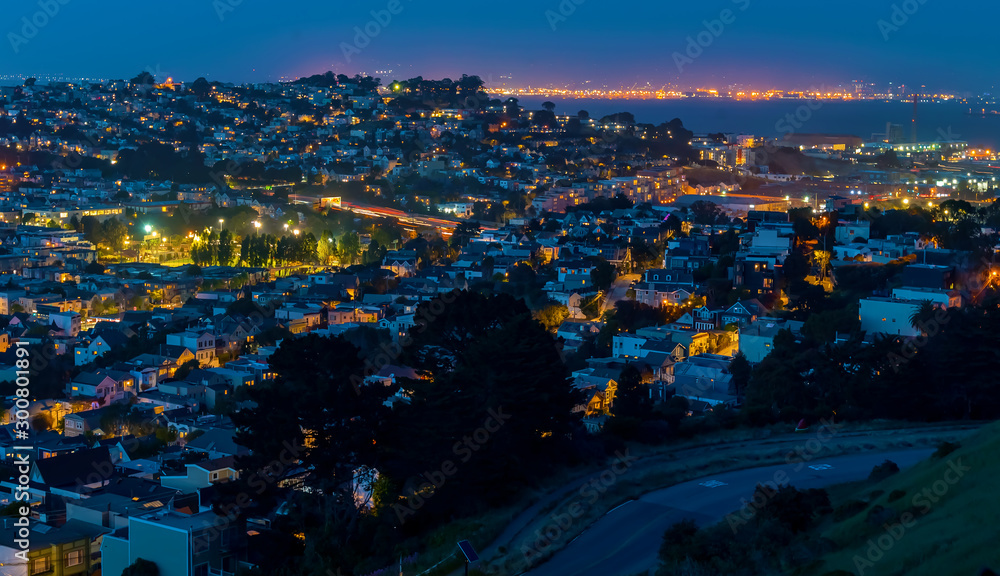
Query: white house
{"points": [[888, 316]]}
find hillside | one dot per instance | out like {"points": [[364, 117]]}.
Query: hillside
{"points": [[939, 517]]}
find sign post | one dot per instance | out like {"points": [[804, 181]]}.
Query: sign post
{"points": [[470, 554]]}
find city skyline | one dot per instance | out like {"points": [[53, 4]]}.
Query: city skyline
{"points": [[573, 43]]}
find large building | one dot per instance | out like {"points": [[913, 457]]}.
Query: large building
{"points": [[180, 544], [888, 316]]}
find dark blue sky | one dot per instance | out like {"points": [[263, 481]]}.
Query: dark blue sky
{"points": [[943, 45]]}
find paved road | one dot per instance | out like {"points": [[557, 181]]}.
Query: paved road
{"points": [[618, 290], [626, 541]]}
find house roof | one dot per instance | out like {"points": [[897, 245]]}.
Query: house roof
{"points": [[217, 440], [216, 464], [45, 535], [81, 467], [90, 378]]}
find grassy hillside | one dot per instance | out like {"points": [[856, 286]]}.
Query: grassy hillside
{"points": [[939, 517]]}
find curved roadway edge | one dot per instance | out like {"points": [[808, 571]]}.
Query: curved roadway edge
{"points": [[626, 541]]}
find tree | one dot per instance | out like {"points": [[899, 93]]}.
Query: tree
{"points": [[888, 160], [319, 412], [93, 231], [201, 88], [227, 248], [186, 368], [350, 248], [923, 314], [603, 274], [552, 316], [143, 78], [375, 254], [115, 234], [631, 398], [706, 213], [741, 371], [95, 267], [141, 568], [489, 362], [308, 248]]}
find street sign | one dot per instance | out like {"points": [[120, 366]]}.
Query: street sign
{"points": [[470, 552]]}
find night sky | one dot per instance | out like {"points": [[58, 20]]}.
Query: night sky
{"points": [[943, 45]]}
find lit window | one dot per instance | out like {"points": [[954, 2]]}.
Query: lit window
{"points": [[40, 565]]}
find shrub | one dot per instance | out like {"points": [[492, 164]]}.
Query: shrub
{"points": [[883, 471], [880, 515], [896, 495], [944, 449]]}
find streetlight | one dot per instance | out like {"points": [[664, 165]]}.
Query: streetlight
{"points": [[256, 224], [220, 223]]}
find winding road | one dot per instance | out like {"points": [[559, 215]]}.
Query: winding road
{"points": [[626, 540]]}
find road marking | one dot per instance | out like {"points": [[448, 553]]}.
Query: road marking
{"points": [[712, 484], [619, 506], [821, 466]]}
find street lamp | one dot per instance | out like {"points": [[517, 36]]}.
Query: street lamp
{"points": [[220, 223]]}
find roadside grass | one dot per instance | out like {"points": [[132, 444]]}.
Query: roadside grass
{"points": [[953, 527], [442, 543], [728, 453], [633, 485]]}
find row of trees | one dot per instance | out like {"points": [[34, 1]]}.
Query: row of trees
{"points": [[260, 250]]}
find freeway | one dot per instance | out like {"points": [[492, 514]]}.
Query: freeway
{"points": [[627, 539], [403, 217]]}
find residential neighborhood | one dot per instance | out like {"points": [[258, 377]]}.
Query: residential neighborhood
{"points": [[172, 255]]}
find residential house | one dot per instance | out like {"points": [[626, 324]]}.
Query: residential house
{"points": [[179, 543], [67, 550], [888, 316], [201, 344], [202, 475], [706, 378]]}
